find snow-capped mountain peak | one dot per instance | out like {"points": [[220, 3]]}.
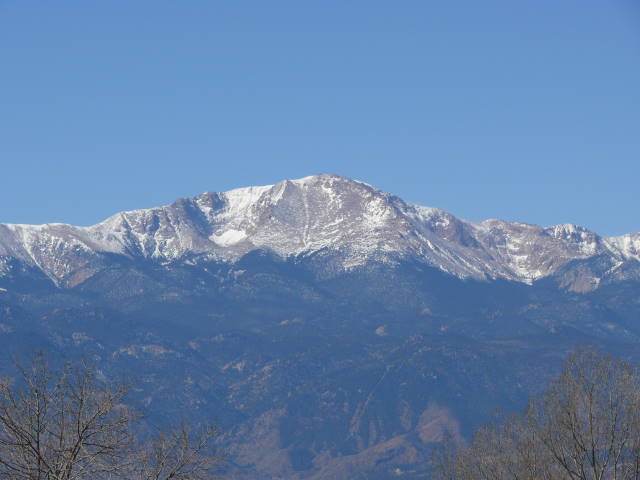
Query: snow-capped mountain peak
{"points": [[351, 220]]}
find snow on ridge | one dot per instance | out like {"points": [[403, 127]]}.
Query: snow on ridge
{"points": [[300, 216], [628, 245], [246, 195], [239, 200]]}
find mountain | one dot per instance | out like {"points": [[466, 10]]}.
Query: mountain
{"points": [[334, 330], [349, 221]]}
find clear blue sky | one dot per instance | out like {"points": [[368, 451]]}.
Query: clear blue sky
{"points": [[525, 111]]}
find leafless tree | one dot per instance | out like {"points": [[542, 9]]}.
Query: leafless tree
{"points": [[70, 424], [584, 426], [180, 453], [588, 419]]}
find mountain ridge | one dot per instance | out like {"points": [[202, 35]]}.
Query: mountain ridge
{"points": [[351, 220]]}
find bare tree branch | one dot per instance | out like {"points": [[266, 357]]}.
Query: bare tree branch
{"points": [[584, 426], [69, 425]]}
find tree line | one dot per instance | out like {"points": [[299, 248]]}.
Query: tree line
{"points": [[584, 426]]}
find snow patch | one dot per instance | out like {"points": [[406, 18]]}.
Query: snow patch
{"points": [[230, 237]]}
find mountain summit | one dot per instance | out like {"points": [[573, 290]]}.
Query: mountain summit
{"points": [[348, 221]]}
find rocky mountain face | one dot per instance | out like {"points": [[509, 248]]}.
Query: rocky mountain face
{"points": [[350, 221], [334, 330]]}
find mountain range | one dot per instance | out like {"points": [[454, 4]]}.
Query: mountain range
{"points": [[350, 221], [334, 330]]}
